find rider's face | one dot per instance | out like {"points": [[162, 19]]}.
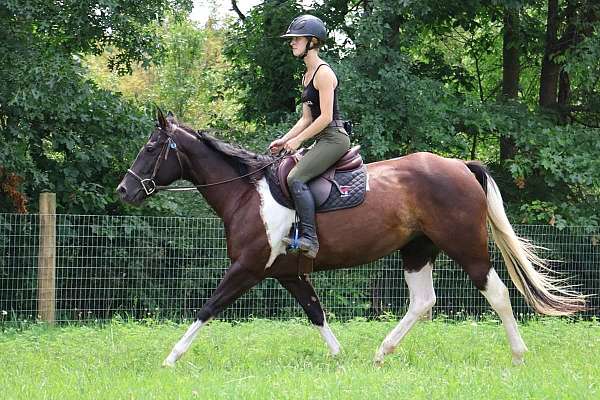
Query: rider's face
{"points": [[298, 45]]}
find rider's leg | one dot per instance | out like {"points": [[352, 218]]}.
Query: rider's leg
{"points": [[331, 145]]}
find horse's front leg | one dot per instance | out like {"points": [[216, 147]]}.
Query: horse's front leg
{"points": [[237, 280], [301, 288]]}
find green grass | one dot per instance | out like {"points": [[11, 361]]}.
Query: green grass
{"points": [[280, 360]]}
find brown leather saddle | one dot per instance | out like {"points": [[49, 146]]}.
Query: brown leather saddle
{"points": [[320, 186]]}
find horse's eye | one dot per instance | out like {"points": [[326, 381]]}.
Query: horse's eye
{"points": [[150, 147]]}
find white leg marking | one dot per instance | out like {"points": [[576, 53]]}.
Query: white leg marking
{"points": [[328, 336], [496, 294], [276, 218], [184, 344], [422, 299]]}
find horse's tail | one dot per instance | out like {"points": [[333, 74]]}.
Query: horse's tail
{"points": [[545, 293]]}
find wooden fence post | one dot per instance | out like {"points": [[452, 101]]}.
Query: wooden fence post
{"points": [[47, 258]]}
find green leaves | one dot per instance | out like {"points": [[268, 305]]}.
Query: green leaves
{"points": [[264, 73], [60, 132]]}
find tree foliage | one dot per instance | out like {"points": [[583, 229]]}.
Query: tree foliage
{"points": [[59, 131]]}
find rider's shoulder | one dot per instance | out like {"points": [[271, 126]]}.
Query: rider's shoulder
{"points": [[325, 74]]}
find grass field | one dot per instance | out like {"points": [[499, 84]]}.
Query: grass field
{"points": [[288, 360]]}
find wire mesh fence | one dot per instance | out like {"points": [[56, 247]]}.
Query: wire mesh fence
{"points": [[166, 268]]}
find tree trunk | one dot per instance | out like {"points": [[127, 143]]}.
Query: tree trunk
{"points": [[511, 69], [550, 69], [568, 40]]}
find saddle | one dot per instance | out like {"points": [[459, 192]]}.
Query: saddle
{"points": [[343, 185]]}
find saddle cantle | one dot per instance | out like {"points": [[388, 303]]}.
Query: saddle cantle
{"points": [[341, 186]]}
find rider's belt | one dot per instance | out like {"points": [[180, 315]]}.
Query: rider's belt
{"points": [[338, 123]]}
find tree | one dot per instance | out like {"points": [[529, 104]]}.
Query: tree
{"points": [[60, 132], [265, 74]]}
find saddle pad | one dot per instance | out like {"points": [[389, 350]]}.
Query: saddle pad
{"points": [[347, 191]]}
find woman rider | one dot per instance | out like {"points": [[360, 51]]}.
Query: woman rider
{"points": [[320, 120]]}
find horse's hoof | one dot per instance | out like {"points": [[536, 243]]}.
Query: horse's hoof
{"points": [[518, 355], [168, 363], [518, 361], [378, 360]]}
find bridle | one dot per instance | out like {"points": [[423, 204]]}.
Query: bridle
{"points": [[149, 184]]}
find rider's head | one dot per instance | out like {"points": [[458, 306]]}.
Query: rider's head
{"points": [[306, 32]]}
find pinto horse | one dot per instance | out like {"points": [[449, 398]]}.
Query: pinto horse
{"points": [[420, 204]]}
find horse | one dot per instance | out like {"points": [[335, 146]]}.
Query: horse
{"points": [[419, 204]]}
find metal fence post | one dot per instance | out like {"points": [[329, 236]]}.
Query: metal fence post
{"points": [[47, 258]]}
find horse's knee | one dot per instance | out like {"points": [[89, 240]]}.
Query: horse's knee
{"points": [[316, 316], [496, 292], [204, 314], [479, 276]]}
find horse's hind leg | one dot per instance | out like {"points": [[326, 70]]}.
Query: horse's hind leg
{"points": [[470, 251], [418, 257], [496, 294], [303, 291]]}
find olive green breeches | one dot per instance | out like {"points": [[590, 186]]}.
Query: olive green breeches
{"points": [[330, 145]]}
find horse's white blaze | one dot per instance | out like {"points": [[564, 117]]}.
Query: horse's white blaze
{"points": [[330, 339], [184, 344], [422, 299], [496, 294], [276, 218]]}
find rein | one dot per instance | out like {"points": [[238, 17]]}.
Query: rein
{"points": [[149, 184], [188, 188]]}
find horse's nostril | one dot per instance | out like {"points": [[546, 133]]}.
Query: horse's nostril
{"points": [[121, 189]]}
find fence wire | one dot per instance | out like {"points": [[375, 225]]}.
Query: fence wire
{"points": [[166, 268]]}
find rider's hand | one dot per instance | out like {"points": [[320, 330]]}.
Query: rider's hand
{"points": [[292, 144], [276, 146]]}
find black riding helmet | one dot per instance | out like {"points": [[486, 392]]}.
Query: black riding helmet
{"points": [[307, 26]]}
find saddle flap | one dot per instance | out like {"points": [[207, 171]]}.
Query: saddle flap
{"points": [[320, 189]]}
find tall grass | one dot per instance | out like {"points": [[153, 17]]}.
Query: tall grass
{"points": [[279, 360]]}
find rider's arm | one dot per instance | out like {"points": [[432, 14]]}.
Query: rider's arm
{"points": [[302, 123], [325, 82]]}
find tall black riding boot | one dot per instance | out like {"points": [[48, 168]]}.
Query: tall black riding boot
{"points": [[305, 208]]}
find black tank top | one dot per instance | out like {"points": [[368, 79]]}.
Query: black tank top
{"points": [[310, 95]]}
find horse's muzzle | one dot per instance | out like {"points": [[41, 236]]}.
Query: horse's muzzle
{"points": [[133, 197]]}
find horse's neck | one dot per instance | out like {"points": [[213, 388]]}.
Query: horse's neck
{"points": [[210, 167]]}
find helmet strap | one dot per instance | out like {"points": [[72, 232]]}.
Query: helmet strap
{"points": [[309, 46]]}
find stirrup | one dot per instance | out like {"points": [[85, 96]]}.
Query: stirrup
{"points": [[293, 240]]}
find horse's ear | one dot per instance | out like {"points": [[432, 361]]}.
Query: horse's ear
{"points": [[171, 118], [162, 121]]}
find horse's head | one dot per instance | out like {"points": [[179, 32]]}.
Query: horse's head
{"points": [[157, 164]]}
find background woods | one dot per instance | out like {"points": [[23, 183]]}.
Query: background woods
{"points": [[513, 83]]}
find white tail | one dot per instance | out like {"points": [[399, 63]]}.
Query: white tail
{"points": [[545, 293]]}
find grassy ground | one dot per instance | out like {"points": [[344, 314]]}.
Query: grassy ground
{"points": [[281, 360]]}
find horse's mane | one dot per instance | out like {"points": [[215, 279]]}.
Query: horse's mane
{"points": [[242, 160]]}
